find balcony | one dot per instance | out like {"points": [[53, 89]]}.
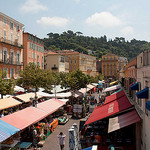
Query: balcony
{"points": [[10, 62], [6, 41]]}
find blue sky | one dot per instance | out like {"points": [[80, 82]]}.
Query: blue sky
{"points": [[113, 18]]}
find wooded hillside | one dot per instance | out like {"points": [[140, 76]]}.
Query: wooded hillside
{"points": [[98, 45]]}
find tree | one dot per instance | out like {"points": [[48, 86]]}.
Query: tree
{"points": [[7, 85], [33, 77]]}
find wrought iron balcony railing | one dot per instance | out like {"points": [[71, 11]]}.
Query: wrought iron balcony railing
{"points": [[11, 62], [14, 43]]}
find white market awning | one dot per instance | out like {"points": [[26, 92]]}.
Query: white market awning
{"points": [[58, 89], [19, 89], [115, 87]]}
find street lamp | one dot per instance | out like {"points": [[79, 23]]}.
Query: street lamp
{"points": [[54, 69]]}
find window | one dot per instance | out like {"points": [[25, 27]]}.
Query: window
{"points": [[37, 57], [12, 73], [32, 54], [42, 65], [4, 56], [11, 38], [18, 73], [38, 63], [12, 57], [5, 22], [11, 25], [18, 28], [6, 70], [4, 35], [18, 57], [17, 39]]}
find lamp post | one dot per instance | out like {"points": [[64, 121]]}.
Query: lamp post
{"points": [[54, 69]]}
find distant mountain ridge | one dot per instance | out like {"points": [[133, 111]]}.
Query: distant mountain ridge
{"points": [[97, 46]]}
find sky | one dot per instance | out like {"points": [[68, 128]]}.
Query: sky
{"points": [[114, 18]]}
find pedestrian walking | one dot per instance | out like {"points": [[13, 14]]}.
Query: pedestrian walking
{"points": [[61, 137]]}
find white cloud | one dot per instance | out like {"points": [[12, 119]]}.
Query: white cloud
{"points": [[53, 21], [32, 6], [128, 30], [104, 19]]}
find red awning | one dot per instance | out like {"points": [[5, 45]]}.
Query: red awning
{"points": [[51, 105], [109, 109], [25, 117], [123, 120], [114, 96]]}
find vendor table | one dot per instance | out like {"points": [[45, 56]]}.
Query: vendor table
{"points": [[25, 145]]}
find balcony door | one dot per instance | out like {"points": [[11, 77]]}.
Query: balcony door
{"points": [[4, 56], [12, 57]]}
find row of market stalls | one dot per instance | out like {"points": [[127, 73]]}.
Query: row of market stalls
{"points": [[112, 124], [19, 117]]}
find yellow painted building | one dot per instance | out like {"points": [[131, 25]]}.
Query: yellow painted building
{"points": [[109, 65], [86, 63]]}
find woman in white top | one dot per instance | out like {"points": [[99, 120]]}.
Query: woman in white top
{"points": [[61, 137]]}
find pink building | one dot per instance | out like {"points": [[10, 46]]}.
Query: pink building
{"points": [[33, 50]]}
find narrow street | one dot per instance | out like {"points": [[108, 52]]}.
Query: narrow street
{"points": [[52, 142]]}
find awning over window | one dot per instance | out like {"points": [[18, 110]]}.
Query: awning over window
{"points": [[51, 105], [123, 120], [25, 117], [6, 130], [109, 109], [134, 86], [8, 103], [114, 96], [143, 93], [115, 87], [148, 105]]}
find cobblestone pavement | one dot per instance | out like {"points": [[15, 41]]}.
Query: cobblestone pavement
{"points": [[52, 142]]}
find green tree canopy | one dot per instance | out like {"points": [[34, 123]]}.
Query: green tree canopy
{"points": [[7, 85]]}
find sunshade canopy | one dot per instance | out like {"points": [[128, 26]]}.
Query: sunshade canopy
{"points": [[19, 89], [134, 86], [115, 87], [26, 97], [123, 120], [59, 89], [6, 130], [90, 86], [114, 82], [58, 95], [114, 96], [84, 90], [8, 103], [116, 91], [143, 93], [51, 105], [109, 109], [25, 117], [148, 105]]}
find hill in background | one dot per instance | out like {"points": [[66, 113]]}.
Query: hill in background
{"points": [[97, 46]]}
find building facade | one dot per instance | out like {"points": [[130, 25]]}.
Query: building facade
{"points": [[110, 66], [143, 79], [33, 50], [56, 62], [86, 63], [99, 65], [11, 46]]}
